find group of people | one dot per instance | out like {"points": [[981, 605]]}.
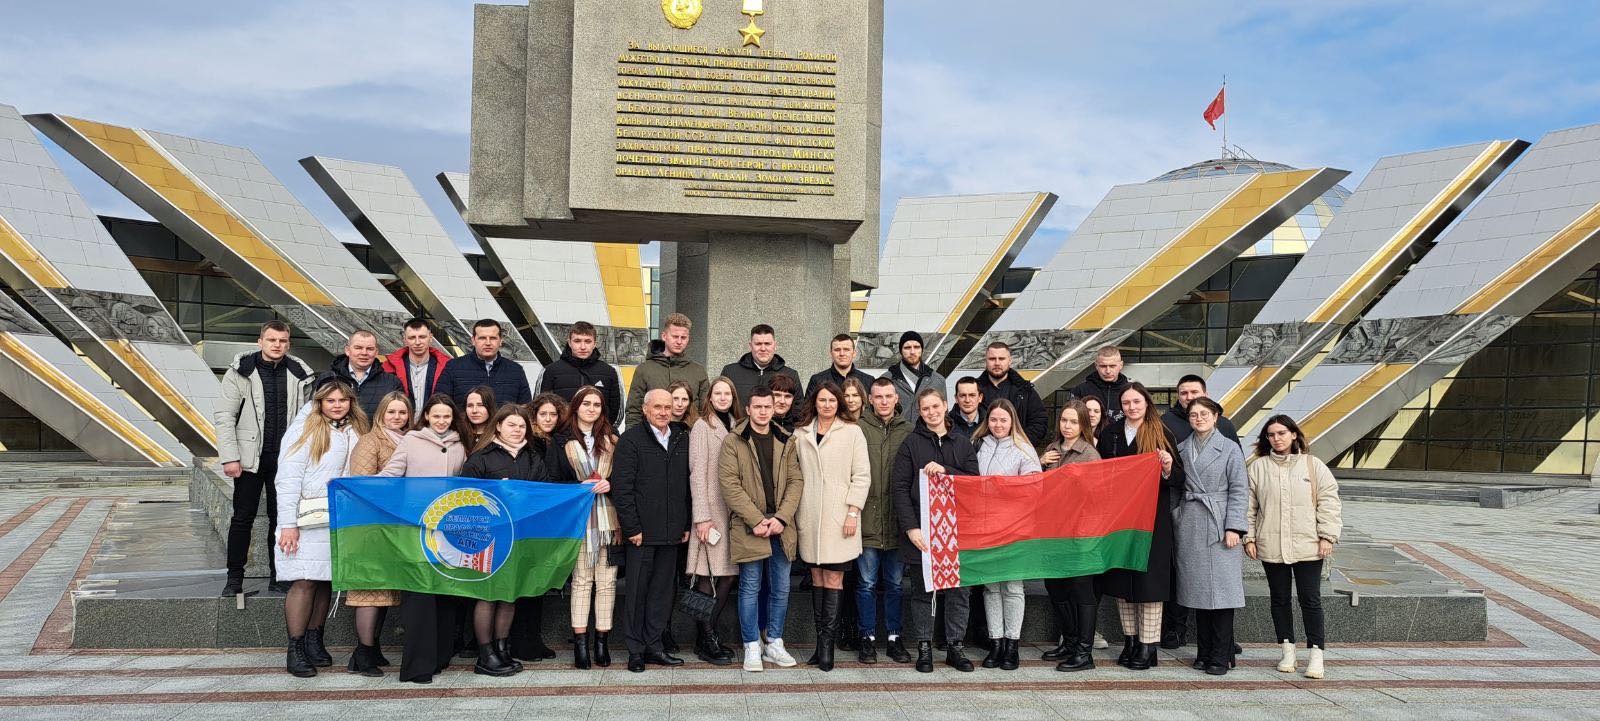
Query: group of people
{"points": [[714, 487]]}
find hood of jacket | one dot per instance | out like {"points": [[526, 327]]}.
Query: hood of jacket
{"points": [[428, 435], [576, 362], [341, 368], [1103, 384], [1015, 379], [658, 353], [898, 372], [748, 361], [245, 364], [743, 430], [395, 363]]}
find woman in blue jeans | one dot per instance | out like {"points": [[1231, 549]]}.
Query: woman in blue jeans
{"points": [[759, 471]]}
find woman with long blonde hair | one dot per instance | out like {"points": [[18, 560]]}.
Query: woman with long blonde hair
{"points": [[371, 453], [1140, 594], [708, 555], [1004, 450], [316, 452]]}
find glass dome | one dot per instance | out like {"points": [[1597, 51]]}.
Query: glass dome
{"points": [[1296, 234]]}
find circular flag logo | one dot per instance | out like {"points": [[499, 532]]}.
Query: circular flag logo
{"points": [[467, 535]]}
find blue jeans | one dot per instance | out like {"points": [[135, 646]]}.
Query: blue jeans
{"points": [[876, 565], [774, 572]]}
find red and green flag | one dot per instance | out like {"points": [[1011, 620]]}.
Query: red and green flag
{"points": [[1075, 520]]}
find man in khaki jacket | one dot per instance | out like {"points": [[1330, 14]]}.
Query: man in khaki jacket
{"points": [[761, 483]]}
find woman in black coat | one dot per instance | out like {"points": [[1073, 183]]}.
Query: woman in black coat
{"points": [[1140, 594], [503, 454]]}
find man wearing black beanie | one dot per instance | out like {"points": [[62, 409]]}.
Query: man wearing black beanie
{"points": [[911, 375]]}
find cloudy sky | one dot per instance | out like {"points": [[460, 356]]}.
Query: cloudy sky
{"points": [[1003, 95]]}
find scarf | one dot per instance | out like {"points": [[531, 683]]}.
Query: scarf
{"points": [[511, 449]]}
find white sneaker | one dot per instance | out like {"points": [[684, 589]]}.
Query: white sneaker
{"points": [[775, 653], [1314, 666], [752, 657], [1100, 641], [1286, 663]]}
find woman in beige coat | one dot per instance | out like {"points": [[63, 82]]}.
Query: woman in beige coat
{"points": [[371, 454], [708, 548], [1294, 523], [838, 475]]}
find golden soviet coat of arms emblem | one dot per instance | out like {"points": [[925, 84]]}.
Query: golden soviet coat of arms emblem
{"points": [[681, 14]]}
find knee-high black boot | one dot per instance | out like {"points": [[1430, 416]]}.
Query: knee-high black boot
{"points": [[1082, 657], [1066, 621], [827, 628]]}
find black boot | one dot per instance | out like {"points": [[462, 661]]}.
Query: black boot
{"points": [[925, 657], [1082, 658], [816, 622], [580, 650], [364, 661], [316, 653], [897, 651], [867, 650], [1064, 621], [296, 662], [827, 628], [955, 658], [233, 586], [602, 649], [723, 652], [1009, 660], [1127, 651], [503, 647], [377, 647], [705, 645], [490, 663], [1174, 626], [997, 651], [1144, 656]]}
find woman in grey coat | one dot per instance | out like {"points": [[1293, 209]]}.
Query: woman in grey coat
{"points": [[1209, 523]]}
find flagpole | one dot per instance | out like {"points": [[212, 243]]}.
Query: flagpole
{"points": [[1224, 118]]}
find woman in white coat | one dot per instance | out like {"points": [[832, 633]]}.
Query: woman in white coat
{"points": [[314, 452], [838, 474], [1004, 450]]}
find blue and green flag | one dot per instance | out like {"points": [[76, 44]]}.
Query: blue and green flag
{"points": [[490, 540]]}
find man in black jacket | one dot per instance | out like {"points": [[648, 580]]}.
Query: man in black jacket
{"points": [[360, 368], [484, 367], [1000, 381], [931, 448], [967, 414], [650, 489], [579, 366], [760, 365], [1106, 382], [843, 352], [1176, 418]]}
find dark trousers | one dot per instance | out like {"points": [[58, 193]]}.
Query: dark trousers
{"points": [[919, 607], [247, 491], [652, 579], [1079, 591], [430, 624], [1213, 635], [1307, 579]]}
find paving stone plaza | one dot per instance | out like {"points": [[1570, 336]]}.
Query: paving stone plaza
{"points": [[1533, 563]]}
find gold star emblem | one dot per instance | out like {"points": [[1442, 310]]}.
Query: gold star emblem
{"points": [[752, 34]]}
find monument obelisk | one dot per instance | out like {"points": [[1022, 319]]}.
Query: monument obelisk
{"points": [[744, 134]]}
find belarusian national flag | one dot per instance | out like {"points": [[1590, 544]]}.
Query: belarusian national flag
{"points": [[1075, 520]]}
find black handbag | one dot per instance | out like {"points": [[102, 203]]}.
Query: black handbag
{"points": [[617, 555], [696, 604]]}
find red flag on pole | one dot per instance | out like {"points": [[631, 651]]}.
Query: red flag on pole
{"points": [[1215, 109]]}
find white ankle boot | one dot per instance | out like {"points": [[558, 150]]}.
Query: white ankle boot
{"points": [[1286, 663], [752, 657], [1314, 666]]}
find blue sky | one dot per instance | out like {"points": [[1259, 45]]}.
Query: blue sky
{"points": [[1004, 95]]}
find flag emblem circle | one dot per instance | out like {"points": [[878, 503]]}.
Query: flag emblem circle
{"points": [[467, 534]]}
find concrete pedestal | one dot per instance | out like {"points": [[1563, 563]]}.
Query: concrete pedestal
{"points": [[797, 285]]}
